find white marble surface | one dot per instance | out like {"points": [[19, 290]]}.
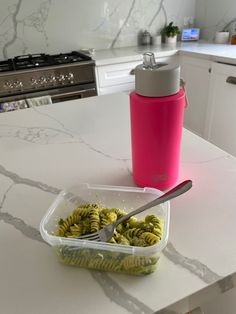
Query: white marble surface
{"points": [[216, 52], [47, 148], [36, 26], [209, 50], [129, 54], [54, 26], [215, 15]]}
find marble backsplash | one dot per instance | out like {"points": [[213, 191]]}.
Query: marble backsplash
{"points": [[215, 15], [53, 26]]}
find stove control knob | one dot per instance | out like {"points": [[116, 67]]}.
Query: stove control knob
{"points": [[7, 85], [51, 79], [42, 80], [61, 78], [17, 84], [34, 81], [70, 77]]}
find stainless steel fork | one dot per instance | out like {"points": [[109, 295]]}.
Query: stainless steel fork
{"points": [[107, 232]]}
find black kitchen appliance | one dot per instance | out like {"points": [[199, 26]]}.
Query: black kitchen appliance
{"points": [[63, 76]]}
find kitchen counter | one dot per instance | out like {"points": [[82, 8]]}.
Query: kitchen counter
{"points": [[215, 52], [45, 149]]}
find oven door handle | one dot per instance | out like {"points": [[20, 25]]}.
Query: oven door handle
{"points": [[75, 93]]}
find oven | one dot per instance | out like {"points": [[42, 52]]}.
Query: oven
{"points": [[57, 78]]}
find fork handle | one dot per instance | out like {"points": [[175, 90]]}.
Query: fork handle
{"points": [[176, 191]]}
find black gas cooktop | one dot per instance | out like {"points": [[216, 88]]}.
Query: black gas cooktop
{"points": [[41, 60]]}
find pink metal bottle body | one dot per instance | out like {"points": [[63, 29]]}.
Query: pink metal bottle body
{"points": [[156, 132]]}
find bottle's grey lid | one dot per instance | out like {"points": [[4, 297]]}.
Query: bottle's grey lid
{"points": [[156, 79]]}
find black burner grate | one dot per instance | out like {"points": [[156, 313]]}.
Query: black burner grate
{"points": [[64, 58], [41, 60], [31, 61], [6, 65]]}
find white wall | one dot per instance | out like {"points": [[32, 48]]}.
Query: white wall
{"points": [[214, 15], [53, 26]]}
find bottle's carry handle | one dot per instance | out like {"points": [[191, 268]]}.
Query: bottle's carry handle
{"points": [[149, 60], [182, 84]]}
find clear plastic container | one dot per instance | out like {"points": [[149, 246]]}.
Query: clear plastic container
{"points": [[99, 255]]}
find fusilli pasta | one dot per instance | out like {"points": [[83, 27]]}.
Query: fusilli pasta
{"points": [[89, 218]]}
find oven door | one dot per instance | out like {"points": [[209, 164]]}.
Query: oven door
{"points": [[70, 95], [56, 94]]}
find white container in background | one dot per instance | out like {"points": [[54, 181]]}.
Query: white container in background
{"points": [[222, 37], [171, 40], [156, 40]]}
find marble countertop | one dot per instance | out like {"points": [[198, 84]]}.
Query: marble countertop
{"points": [[45, 149], [215, 52]]}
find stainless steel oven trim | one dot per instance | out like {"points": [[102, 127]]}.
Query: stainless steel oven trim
{"points": [[56, 93], [73, 95], [81, 92]]}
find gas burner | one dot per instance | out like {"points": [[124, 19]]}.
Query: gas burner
{"points": [[74, 56], [31, 61], [6, 65]]}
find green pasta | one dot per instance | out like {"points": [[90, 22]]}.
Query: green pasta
{"points": [[107, 261], [89, 218]]}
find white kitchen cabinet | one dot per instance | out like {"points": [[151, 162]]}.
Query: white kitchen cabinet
{"points": [[119, 77], [196, 73], [115, 77], [221, 115]]}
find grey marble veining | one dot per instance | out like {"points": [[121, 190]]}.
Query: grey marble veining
{"points": [[209, 299], [37, 135], [14, 35], [15, 222], [53, 135], [156, 14], [226, 284], [16, 179], [193, 265], [124, 24], [27, 230], [48, 136], [34, 27], [15, 24], [215, 15], [116, 294]]}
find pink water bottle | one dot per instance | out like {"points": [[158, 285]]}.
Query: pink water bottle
{"points": [[157, 111]]}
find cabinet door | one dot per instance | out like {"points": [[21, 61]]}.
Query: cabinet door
{"points": [[195, 72], [115, 74], [221, 126]]}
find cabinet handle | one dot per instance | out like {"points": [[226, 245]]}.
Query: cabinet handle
{"points": [[231, 80], [132, 72]]}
